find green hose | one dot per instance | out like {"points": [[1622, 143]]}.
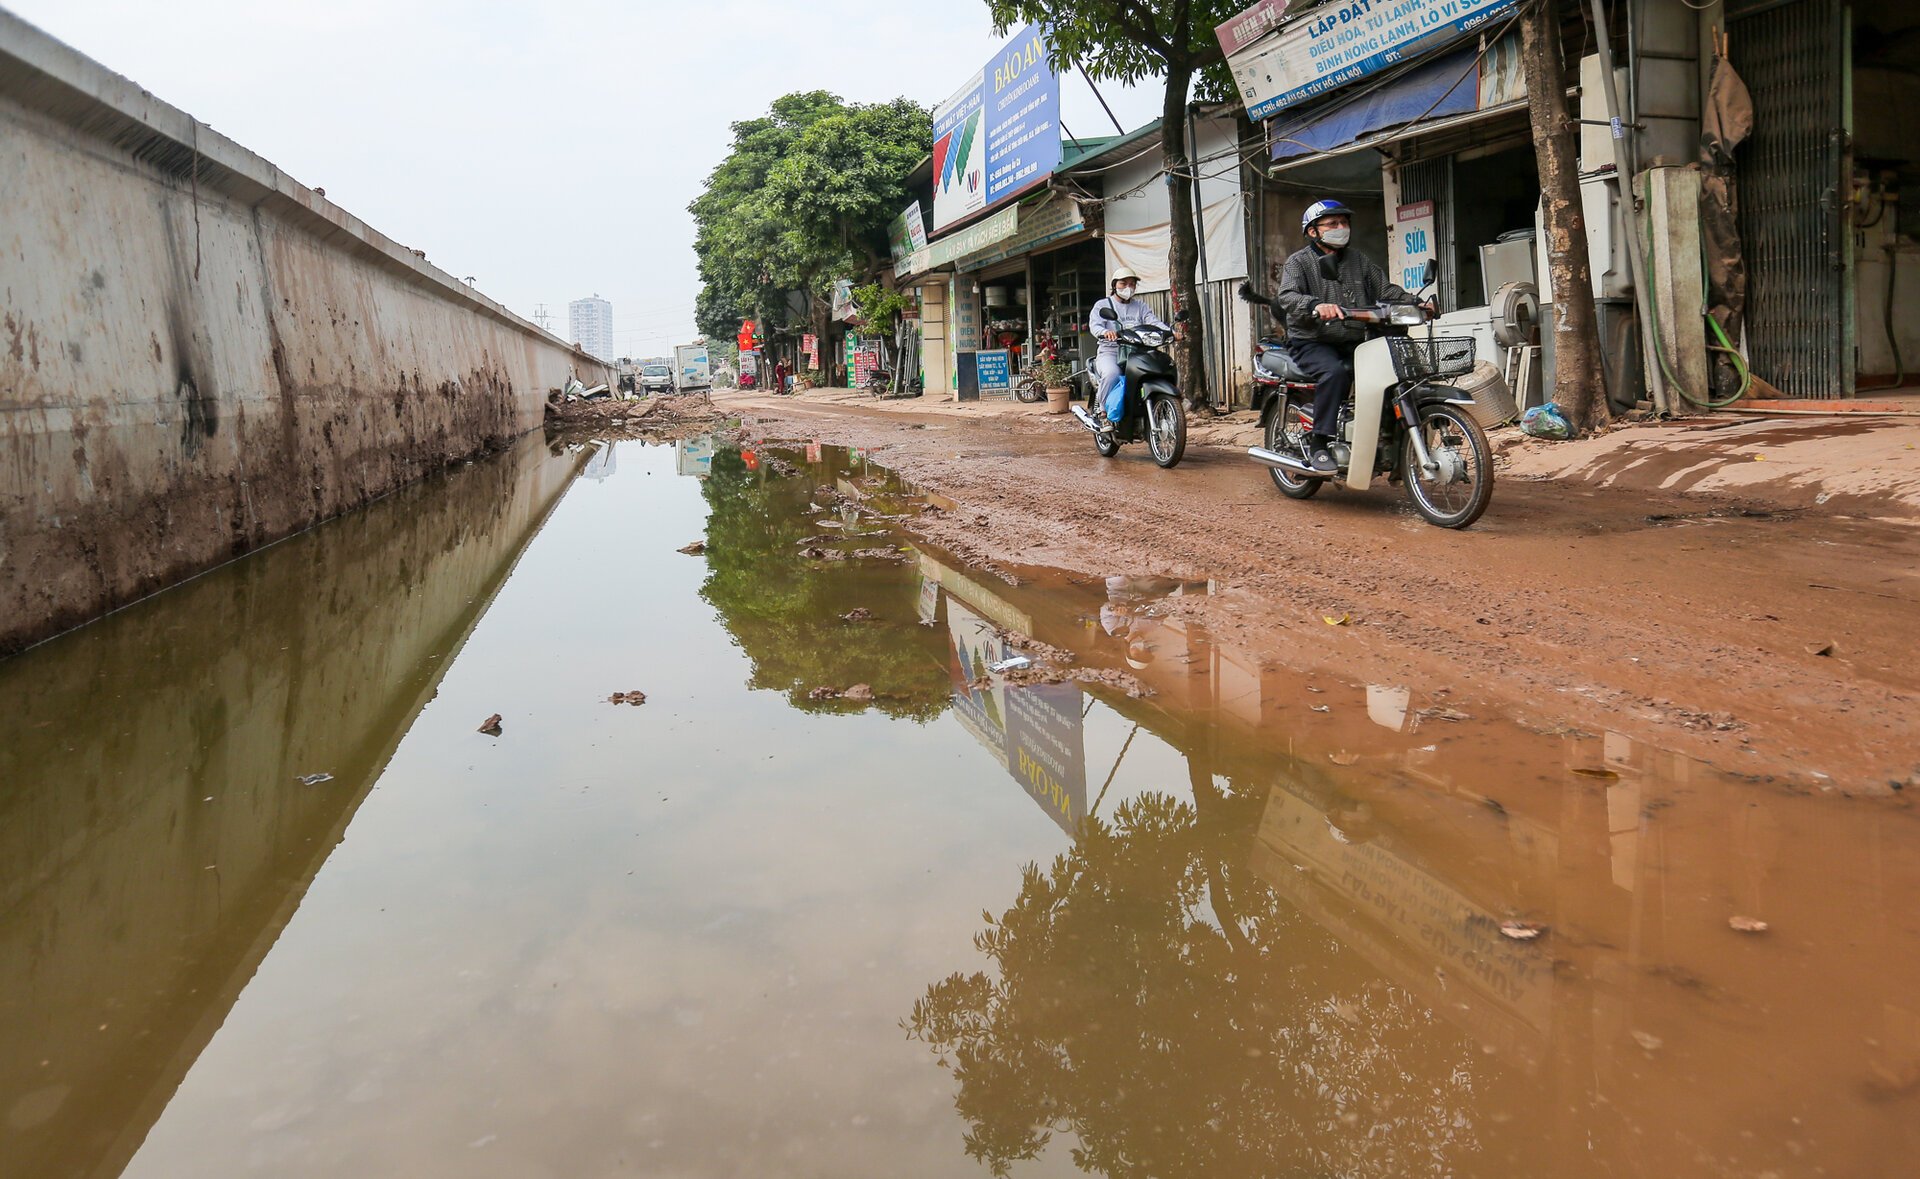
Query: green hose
{"points": [[1725, 345]]}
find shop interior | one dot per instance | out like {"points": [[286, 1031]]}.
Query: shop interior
{"points": [[1886, 198]]}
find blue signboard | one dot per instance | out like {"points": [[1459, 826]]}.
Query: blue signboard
{"points": [[995, 366], [999, 135], [1341, 42]]}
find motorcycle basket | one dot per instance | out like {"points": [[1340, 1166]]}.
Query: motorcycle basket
{"points": [[1422, 359]]}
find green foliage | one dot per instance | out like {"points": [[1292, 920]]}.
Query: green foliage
{"points": [[803, 197], [879, 308], [784, 611], [1131, 41]]}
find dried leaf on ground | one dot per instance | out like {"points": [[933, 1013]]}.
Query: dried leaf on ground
{"points": [[490, 726]]}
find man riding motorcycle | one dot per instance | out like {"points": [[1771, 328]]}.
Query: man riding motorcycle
{"points": [[1130, 313], [1320, 339]]}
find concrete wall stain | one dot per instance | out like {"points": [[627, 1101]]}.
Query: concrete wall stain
{"points": [[340, 368]]}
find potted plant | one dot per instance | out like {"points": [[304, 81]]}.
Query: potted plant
{"points": [[1053, 374]]}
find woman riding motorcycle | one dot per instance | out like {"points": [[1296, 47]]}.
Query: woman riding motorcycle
{"points": [[1129, 313]]}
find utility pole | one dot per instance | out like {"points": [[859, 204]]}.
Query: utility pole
{"points": [[542, 317], [1575, 325]]}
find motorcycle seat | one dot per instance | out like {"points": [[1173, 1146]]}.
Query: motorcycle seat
{"points": [[1273, 358]]}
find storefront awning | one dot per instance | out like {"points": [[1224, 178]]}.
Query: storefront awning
{"points": [[1437, 89]]}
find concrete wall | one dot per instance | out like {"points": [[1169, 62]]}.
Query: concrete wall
{"points": [[200, 355]]}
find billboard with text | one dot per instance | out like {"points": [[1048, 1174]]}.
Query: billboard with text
{"points": [[999, 135]]}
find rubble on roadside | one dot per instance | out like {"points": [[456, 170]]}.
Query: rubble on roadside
{"points": [[663, 417]]}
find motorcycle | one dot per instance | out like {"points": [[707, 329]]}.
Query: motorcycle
{"points": [[1404, 423], [1150, 403]]}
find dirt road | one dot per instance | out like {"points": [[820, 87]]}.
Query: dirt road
{"points": [[1765, 640]]}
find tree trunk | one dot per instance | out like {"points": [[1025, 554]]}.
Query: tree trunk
{"points": [[1578, 386], [1183, 252]]}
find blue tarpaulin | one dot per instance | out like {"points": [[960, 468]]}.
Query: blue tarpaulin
{"points": [[1447, 86]]}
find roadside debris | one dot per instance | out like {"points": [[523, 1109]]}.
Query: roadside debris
{"points": [[693, 550], [1330, 620], [857, 614], [491, 726], [1648, 1040], [1445, 714], [861, 692], [627, 698], [1826, 648], [1747, 924], [1011, 663], [316, 779], [1546, 421], [1521, 931], [1598, 773]]}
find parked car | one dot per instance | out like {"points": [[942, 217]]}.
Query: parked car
{"points": [[656, 378]]}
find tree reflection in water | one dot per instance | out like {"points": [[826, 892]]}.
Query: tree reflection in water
{"points": [[785, 613], [1174, 1014]]}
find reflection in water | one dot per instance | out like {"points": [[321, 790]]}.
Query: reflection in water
{"points": [[785, 608], [1259, 934], [1302, 970], [154, 838]]}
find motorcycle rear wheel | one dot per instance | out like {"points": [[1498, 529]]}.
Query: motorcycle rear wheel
{"points": [[1166, 430], [1287, 441], [1462, 489], [1030, 391]]}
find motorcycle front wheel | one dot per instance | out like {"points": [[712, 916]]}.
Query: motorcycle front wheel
{"points": [[1453, 495], [1287, 438], [1166, 429], [1030, 391]]}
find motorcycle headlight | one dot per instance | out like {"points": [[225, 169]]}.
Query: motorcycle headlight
{"points": [[1406, 315], [1152, 339]]}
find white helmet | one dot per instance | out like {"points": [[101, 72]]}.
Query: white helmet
{"points": [[1124, 274]]}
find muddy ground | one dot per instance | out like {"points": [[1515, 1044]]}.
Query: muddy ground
{"points": [[1764, 639]]}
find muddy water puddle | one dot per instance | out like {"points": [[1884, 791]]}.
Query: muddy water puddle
{"points": [[840, 899]]}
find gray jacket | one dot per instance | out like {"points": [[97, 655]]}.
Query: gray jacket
{"points": [[1302, 288]]}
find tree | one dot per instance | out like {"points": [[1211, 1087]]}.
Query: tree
{"points": [[1128, 41], [803, 198], [1156, 999], [785, 611], [1575, 325]]}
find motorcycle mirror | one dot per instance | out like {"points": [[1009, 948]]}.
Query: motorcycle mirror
{"points": [[1431, 273], [1107, 314], [1330, 267], [1182, 317]]}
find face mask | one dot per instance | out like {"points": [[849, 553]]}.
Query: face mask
{"points": [[1337, 238], [1123, 293]]}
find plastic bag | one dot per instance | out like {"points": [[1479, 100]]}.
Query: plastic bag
{"points": [[1546, 421]]}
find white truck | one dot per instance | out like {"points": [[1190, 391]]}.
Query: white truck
{"points": [[691, 371]]}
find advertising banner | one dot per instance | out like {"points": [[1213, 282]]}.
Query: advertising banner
{"points": [[995, 366], [1342, 42], [978, 236], [1412, 244], [1251, 25], [999, 134]]}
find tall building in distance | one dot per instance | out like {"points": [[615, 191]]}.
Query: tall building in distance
{"points": [[590, 325]]}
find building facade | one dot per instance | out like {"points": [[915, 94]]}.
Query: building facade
{"points": [[590, 325]]}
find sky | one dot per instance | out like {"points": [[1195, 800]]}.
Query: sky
{"points": [[549, 151]]}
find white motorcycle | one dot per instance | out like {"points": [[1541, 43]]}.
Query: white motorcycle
{"points": [[1404, 423]]}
